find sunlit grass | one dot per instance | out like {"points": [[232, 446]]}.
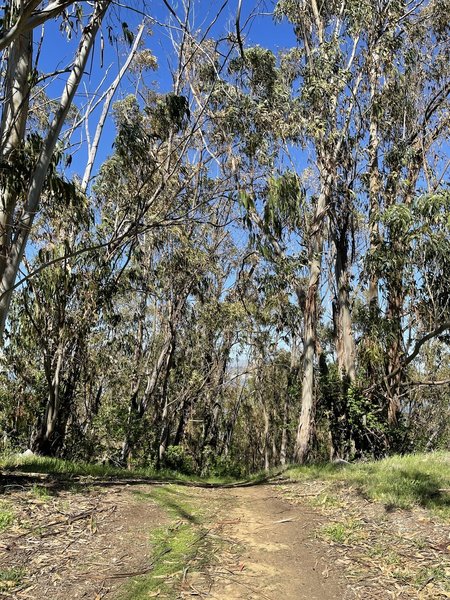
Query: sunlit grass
{"points": [[57, 466], [173, 546], [343, 532], [397, 482], [10, 578], [6, 516]]}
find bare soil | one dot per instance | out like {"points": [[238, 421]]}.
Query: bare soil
{"points": [[270, 551], [75, 543]]}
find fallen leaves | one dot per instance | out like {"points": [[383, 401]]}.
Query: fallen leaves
{"points": [[402, 554]]}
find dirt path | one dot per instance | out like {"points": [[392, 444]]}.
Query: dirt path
{"points": [[86, 543], [285, 541], [270, 551]]}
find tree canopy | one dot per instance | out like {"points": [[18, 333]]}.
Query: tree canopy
{"points": [[255, 270]]}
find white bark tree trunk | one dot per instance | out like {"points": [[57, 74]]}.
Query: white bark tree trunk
{"points": [[306, 422], [13, 124], [18, 244]]}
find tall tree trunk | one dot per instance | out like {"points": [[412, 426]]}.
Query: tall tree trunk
{"points": [[395, 301], [16, 250], [13, 125], [284, 429], [50, 434], [306, 423], [42, 439], [395, 349], [137, 409], [291, 379], [345, 343], [374, 176], [165, 420], [266, 437], [213, 402], [228, 437]]}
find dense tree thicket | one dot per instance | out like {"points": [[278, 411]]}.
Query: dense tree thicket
{"points": [[259, 271]]}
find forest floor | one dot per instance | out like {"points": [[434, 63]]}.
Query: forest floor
{"points": [[314, 539]]}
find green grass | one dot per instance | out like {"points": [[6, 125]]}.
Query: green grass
{"points": [[57, 466], [343, 532], [10, 578], [173, 546], [40, 492], [325, 501], [397, 482], [436, 574], [6, 516]]}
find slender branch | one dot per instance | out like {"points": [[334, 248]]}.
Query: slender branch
{"points": [[30, 20], [108, 99], [418, 345]]}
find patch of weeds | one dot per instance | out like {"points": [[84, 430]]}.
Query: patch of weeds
{"points": [[376, 551], [391, 558], [435, 575], [325, 501], [402, 575], [343, 532], [398, 481], [174, 547], [10, 578], [60, 467], [420, 543], [40, 492], [6, 516]]}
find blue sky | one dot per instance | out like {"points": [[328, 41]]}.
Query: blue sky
{"points": [[57, 51]]}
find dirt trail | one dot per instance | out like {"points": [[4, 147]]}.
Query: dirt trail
{"points": [[85, 544], [271, 552], [87, 540]]}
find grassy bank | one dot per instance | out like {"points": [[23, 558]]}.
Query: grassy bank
{"points": [[398, 481], [57, 466]]}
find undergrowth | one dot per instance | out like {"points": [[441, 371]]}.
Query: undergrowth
{"points": [[10, 578], [6, 516], [57, 466]]}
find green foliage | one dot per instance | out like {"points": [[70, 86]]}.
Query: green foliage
{"points": [[258, 65], [10, 579], [283, 202], [344, 532], [224, 467], [357, 420], [176, 458], [168, 113]]}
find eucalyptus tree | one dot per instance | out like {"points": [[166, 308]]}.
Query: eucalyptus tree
{"points": [[415, 105], [346, 52], [330, 70], [156, 186], [21, 188], [253, 123], [53, 314]]}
